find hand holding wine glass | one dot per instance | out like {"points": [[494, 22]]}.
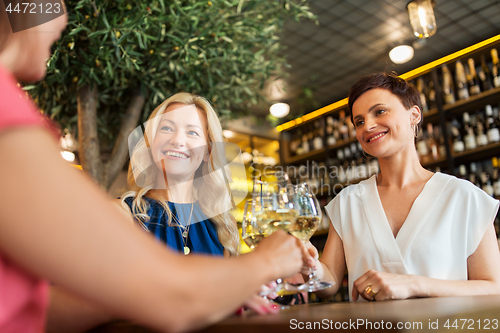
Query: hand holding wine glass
{"points": [[307, 222]]}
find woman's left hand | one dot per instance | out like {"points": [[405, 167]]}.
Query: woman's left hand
{"points": [[260, 305], [380, 286]]}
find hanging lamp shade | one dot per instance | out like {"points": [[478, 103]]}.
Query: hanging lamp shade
{"points": [[422, 18]]}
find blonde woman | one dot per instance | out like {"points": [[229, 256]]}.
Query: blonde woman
{"points": [[179, 179]]}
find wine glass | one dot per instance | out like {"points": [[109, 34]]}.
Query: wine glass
{"points": [[306, 224], [251, 232], [274, 210]]}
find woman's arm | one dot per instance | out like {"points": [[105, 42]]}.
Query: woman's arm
{"points": [[483, 269], [332, 266], [69, 313], [58, 224]]}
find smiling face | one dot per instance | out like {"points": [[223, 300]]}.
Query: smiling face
{"points": [[383, 124], [180, 143]]}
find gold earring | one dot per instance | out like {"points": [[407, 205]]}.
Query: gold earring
{"points": [[415, 130]]}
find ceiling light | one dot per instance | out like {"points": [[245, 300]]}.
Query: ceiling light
{"points": [[279, 110], [401, 54], [422, 18]]}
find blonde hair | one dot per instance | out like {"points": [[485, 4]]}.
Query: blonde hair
{"points": [[212, 176]]}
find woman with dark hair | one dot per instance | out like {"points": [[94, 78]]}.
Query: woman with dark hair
{"points": [[406, 232], [57, 225]]}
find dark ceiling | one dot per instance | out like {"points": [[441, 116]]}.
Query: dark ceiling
{"points": [[354, 37]]}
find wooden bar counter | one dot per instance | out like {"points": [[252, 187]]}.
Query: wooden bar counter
{"points": [[443, 314]]}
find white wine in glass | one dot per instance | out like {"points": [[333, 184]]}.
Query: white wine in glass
{"points": [[307, 222], [304, 227], [251, 233]]}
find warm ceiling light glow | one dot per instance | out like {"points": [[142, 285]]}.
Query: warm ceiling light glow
{"points": [[422, 18], [68, 156], [279, 110], [227, 133], [401, 54]]}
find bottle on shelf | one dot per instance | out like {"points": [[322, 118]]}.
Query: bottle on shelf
{"points": [[495, 70], [318, 135], [431, 95], [294, 143], [480, 129], [305, 143], [448, 90], [474, 85], [470, 137], [492, 130], [486, 183], [473, 176], [462, 171], [310, 137], [421, 89], [431, 142], [461, 81], [423, 151], [495, 176], [330, 138], [343, 129], [456, 137], [438, 135], [485, 75]]}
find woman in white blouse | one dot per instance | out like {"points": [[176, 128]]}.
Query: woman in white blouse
{"points": [[406, 232]]}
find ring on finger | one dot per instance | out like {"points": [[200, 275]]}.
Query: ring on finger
{"points": [[369, 291]]}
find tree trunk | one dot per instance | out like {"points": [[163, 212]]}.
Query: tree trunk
{"points": [[88, 148], [120, 150]]}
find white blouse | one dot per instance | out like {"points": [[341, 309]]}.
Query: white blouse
{"points": [[444, 227]]}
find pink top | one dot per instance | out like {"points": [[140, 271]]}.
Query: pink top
{"points": [[23, 297]]}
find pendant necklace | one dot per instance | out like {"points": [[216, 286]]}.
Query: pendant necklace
{"points": [[185, 231]]}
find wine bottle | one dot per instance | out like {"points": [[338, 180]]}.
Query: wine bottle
{"points": [[343, 129], [438, 136], [458, 143], [493, 132], [431, 142], [423, 151], [318, 135], [293, 144], [473, 177], [461, 80], [474, 85], [310, 137], [485, 75], [305, 143], [481, 136], [423, 99], [431, 95], [486, 183], [448, 90], [462, 171], [495, 70], [496, 176], [470, 137], [330, 138]]}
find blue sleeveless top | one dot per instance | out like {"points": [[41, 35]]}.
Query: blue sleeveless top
{"points": [[202, 236]]}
